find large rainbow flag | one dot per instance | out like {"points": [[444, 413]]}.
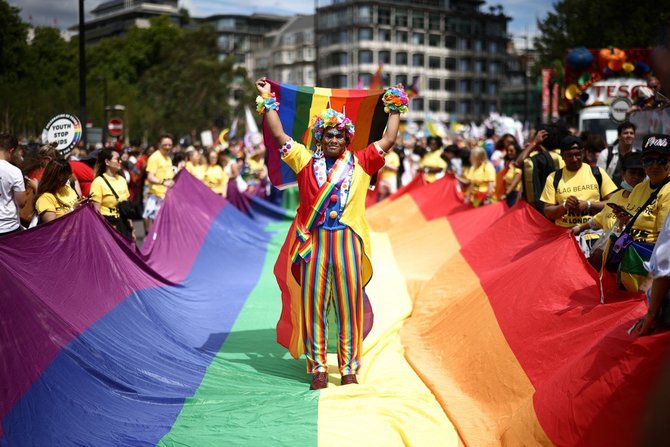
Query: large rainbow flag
{"points": [[488, 331], [299, 104]]}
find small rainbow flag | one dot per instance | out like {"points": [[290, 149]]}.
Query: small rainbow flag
{"points": [[299, 104]]}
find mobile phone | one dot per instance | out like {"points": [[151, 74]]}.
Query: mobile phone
{"points": [[618, 207]]}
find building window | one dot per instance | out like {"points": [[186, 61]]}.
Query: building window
{"points": [[450, 106], [384, 35], [450, 63], [493, 47], [464, 65], [417, 104], [434, 22], [383, 16], [434, 40], [493, 107], [450, 85], [365, 34], [434, 84], [464, 107], [384, 57], [401, 79], [477, 45], [494, 68], [401, 36], [240, 58], [308, 53], [401, 58], [465, 86], [479, 66], [493, 88], [364, 14], [417, 60], [476, 87], [434, 62], [400, 18], [418, 20], [339, 58], [433, 105], [477, 108], [365, 57], [418, 38], [364, 79], [462, 43], [449, 41]]}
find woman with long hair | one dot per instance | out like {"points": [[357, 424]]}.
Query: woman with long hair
{"points": [[479, 179], [109, 188], [55, 197], [215, 176]]}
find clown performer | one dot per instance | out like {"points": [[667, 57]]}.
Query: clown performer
{"points": [[333, 242]]}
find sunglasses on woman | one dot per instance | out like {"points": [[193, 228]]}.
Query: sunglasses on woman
{"points": [[660, 161]]}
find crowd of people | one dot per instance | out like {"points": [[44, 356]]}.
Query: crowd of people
{"points": [[576, 181], [124, 184]]}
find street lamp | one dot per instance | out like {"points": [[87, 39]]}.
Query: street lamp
{"points": [[104, 108]]}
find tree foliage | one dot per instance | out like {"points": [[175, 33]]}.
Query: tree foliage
{"points": [[168, 78], [598, 24]]}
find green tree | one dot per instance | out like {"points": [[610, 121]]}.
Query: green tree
{"points": [[597, 24]]}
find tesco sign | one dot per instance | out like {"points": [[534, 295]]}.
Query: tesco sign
{"points": [[606, 91]]}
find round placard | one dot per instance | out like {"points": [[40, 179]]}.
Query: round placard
{"points": [[618, 109], [64, 131]]}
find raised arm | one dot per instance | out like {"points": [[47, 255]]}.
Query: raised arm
{"points": [[391, 133], [271, 116], [395, 101]]}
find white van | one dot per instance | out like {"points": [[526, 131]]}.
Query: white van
{"points": [[596, 119]]}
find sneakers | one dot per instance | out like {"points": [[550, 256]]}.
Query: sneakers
{"points": [[319, 381], [348, 379]]}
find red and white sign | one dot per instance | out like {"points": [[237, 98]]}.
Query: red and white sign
{"points": [[607, 90], [115, 127]]}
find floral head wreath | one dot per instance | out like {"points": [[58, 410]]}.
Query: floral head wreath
{"points": [[331, 118]]}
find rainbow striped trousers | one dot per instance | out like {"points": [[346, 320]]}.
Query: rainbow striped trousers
{"points": [[332, 277]]}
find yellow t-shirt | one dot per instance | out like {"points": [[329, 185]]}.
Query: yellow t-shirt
{"points": [[62, 203], [512, 171], [161, 166], [650, 222], [606, 219], [197, 171], [392, 161], [104, 196], [480, 176], [581, 184], [432, 159], [216, 179]]}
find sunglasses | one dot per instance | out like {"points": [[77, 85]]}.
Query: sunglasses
{"points": [[660, 161], [338, 135]]}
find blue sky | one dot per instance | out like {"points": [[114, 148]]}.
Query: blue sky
{"points": [[63, 13]]}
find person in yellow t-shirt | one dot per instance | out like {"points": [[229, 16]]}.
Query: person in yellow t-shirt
{"points": [[159, 176], [194, 165], [656, 163], [631, 174], [432, 163], [215, 176], [578, 196], [479, 179], [55, 197], [388, 180], [511, 175], [104, 199]]}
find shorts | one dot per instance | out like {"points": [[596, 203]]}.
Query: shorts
{"points": [[152, 207]]}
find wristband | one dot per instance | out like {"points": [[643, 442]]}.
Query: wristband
{"points": [[588, 207], [395, 100], [564, 202], [266, 101]]}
